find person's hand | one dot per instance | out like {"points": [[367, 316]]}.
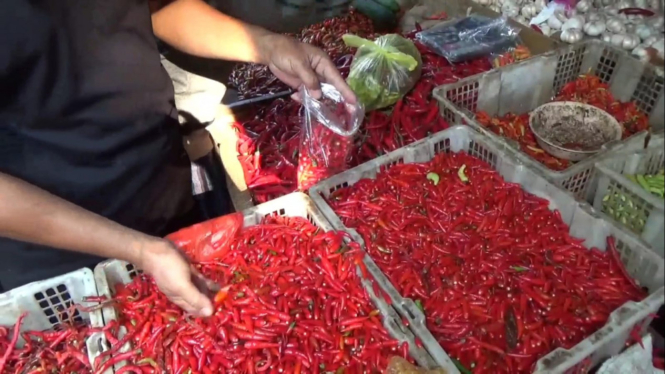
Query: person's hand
{"points": [[173, 274], [297, 64]]}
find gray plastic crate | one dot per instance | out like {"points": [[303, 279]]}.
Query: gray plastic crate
{"points": [[523, 86], [47, 301], [611, 174], [584, 222], [297, 204]]}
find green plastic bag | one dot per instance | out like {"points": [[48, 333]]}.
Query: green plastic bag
{"points": [[383, 70]]}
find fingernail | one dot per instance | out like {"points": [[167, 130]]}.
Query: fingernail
{"points": [[207, 311]]}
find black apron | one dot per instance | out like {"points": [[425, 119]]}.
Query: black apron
{"points": [[87, 113]]}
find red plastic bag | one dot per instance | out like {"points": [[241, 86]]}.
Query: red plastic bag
{"points": [[209, 240]]}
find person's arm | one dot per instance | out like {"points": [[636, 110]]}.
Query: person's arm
{"points": [[195, 27], [30, 214]]}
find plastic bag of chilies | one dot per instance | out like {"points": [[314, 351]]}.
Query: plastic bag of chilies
{"points": [[383, 70], [326, 135]]}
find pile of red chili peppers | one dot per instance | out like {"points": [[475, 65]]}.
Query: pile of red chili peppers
{"points": [[268, 142], [499, 278], [588, 89], [61, 351], [292, 302], [252, 80]]}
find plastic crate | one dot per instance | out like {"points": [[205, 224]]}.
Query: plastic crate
{"points": [[47, 301], [612, 180], [112, 272], [522, 87], [584, 222]]}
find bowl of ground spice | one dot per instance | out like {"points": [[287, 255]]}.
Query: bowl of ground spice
{"points": [[573, 131]]}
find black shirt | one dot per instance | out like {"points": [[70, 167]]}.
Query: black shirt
{"points": [[87, 113]]}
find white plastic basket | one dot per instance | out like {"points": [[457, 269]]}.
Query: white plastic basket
{"points": [[523, 86], [584, 222], [47, 301], [112, 272], [611, 174]]}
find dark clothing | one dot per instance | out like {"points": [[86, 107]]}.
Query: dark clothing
{"points": [[87, 113]]}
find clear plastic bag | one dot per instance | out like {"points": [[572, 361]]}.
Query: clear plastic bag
{"points": [[470, 37], [510, 56], [383, 70], [326, 135]]}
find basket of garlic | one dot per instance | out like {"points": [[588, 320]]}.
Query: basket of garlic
{"points": [[633, 25]]}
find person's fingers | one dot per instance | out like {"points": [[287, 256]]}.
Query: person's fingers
{"points": [[307, 76], [204, 284], [190, 299], [326, 69]]}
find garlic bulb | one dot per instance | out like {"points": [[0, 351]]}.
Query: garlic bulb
{"points": [[630, 29], [575, 22], [556, 20], [615, 25], [571, 36], [607, 37], [650, 41], [611, 9], [547, 31], [522, 20], [625, 41], [644, 31], [510, 11], [656, 22], [630, 41], [641, 53], [593, 16], [617, 40], [540, 4], [641, 4], [529, 11], [495, 8], [594, 28], [623, 4], [583, 6]]}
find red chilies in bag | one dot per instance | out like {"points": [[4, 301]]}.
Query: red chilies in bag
{"points": [[326, 136]]}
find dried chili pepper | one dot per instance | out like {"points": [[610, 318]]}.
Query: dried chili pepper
{"points": [[253, 80]]}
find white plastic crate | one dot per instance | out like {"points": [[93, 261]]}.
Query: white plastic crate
{"points": [[523, 86], [611, 174], [47, 302], [112, 272], [642, 263]]}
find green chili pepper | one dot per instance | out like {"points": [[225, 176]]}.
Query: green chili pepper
{"points": [[460, 367], [420, 306], [434, 177], [462, 176]]}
